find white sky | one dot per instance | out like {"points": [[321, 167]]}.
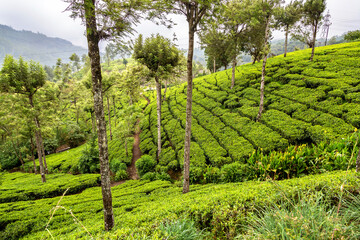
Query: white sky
{"points": [[48, 17]]}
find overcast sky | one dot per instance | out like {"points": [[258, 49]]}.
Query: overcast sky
{"points": [[48, 17]]}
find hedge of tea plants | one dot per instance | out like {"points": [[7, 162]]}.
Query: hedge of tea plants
{"points": [[141, 206], [25, 186], [305, 103]]}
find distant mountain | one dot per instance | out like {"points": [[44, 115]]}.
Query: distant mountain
{"points": [[35, 46]]}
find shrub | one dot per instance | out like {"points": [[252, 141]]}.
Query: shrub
{"points": [[121, 175], [89, 160], [151, 176], [116, 165], [145, 164], [234, 172]]}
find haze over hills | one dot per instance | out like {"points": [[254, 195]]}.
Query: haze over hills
{"points": [[35, 46]]}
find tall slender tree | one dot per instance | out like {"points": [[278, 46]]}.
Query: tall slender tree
{"points": [[287, 17], [195, 11], [104, 19], [313, 14], [267, 11], [161, 57]]}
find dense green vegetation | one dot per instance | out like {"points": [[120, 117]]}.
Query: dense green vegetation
{"points": [[24, 186], [305, 103], [141, 206]]}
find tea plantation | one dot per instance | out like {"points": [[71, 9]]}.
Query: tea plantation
{"points": [[141, 206], [304, 146], [305, 103]]}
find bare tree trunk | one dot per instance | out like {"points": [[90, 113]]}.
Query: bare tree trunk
{"points": [[43, 153], [93, 121], [94, 55], [186, 184], [314, 42], [262, 84], [214, 65], [358, 162], [158, 108], [164, 97], [32, 154], [109, 116], [115, 118], [286, 39], [233, 73]]}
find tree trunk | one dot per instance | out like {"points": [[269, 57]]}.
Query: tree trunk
{"points": [[233, 73], [214, 65], [115, 118], [158, 109], [93, 46], [314, 42], [358, 162], [286, 39], [109, 116], [38, 142], [126, 150], [43, 153], [262, 84], [186, 185], [93, 121], [32, 154], [164, 97]]}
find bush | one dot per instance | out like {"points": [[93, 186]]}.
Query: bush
{"points": [[234, 172], [151, 176], [121, 175], [116, 165], [145, 164], [89, 160]]}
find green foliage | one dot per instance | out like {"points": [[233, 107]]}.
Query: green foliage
{"points": [[89, 160], [352, 35], [181, 229], [145, 164], [121, 174], [141, 206], [25, 186], [309, 218]]}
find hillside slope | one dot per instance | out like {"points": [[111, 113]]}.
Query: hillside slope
{"points": [[305, 102], [35, 46]]}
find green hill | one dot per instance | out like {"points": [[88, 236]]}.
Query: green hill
{"points": [[305, 103], [35, 46]]}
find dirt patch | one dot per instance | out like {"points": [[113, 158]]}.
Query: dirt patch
{"points": [[136, 155]]}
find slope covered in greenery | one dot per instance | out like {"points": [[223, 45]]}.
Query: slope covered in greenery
{"points": [[35, 46], [305, 103], [140, 207]]}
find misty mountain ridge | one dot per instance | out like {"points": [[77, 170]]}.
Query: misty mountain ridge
{"points": [[35, 46]]}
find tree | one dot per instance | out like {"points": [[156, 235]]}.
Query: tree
{"points": [[267, 11], [287, 17], [215, 43], [313, 13], [352, 36], [104, 20], [238, 19], [26, 79], [76, 61], [194, 11], [161, 57]]}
